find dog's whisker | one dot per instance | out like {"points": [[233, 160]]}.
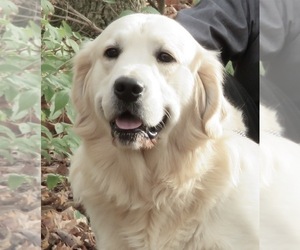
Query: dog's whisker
{"points": [[167, 113]]}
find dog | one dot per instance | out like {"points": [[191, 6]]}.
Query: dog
{"points": [[164, 163]]}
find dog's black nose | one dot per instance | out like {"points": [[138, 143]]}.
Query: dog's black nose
{"points": [[128, 89]]}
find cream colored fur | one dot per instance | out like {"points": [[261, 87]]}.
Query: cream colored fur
{"points": [[279, 186], [196, 186]]}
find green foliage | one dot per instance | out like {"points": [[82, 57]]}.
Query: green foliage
{"points": [[196, 2], [147, 10], [79, 215], [16, 180], [53, 180], [19, 85], [126, 13], [59, 44], [47, 7], [8, 7], [109, 1], [229, 68]]}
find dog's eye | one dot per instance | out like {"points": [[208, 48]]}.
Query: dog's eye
{"points": [[165, 57], [112, 53]]}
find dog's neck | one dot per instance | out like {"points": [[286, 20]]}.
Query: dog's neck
{"points": [[160, 169]]}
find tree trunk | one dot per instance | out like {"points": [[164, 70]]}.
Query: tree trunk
{"points": [[90, 17]]}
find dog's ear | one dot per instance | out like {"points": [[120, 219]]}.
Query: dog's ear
{"points": [[82, 63], [210, 74]]}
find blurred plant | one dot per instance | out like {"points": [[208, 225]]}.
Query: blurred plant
{"points": [[54, 179], [59, 44], [19, 85]]}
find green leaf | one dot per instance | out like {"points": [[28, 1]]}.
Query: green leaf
{"points": [[78, 215], [150, 10], [71, 112], [45, 144], [9, 68], [73, 141], [35, 28], [48, 68], [60, 100], [26, 145], [45, 130], [52, 33], [15, 181], [109, 1], [77, 35], [65, 80], [27, 100], [53, 180], [25, 128], [4, 22], [72, 44], [5, 153], [12, 91], [46, 155], [53, 116], [67, 28], [18, 115], [126, 13], [229, 68], [48, 93], [47, 7], [60, 146], [51, 45], [5, 143], [3, 116], [8, 7], [5, 130], [59, 128]]}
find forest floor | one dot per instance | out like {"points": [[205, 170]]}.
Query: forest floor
{"points": [[34, 216], [63, 224]]}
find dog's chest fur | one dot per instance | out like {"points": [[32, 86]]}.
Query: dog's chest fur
{"points": [[152, 200]]}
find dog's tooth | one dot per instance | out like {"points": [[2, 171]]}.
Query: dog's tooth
{"points": [[152, 133]]}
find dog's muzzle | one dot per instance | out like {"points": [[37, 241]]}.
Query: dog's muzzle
{"points": [[128, 125]]}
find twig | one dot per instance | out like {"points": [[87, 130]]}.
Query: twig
{"points": [[90, 23], [152, 4], [69, 19], [84, 20], [161, 6]]}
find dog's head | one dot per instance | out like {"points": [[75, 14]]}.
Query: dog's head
{"points": [[136, 79]]}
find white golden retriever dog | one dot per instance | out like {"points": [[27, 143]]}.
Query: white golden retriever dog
{"points": [[162, 163]]}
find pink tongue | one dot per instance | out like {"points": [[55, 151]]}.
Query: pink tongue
{"points": [[125, 123]]}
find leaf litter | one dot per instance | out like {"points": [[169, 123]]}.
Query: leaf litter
{"points": [[64, 225]]}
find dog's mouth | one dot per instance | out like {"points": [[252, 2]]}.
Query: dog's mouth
{"points": [[129, 128]]}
